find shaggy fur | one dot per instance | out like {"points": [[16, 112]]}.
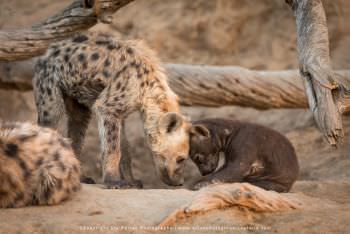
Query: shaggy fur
{"points": [[37, 166]]}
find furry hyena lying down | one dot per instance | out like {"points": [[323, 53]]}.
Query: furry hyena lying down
{"points": [[37, 166], [253, 153]]}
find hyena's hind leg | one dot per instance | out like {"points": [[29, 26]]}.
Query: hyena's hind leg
{"points": [[48, 98], [78, 120], [125, 161]]}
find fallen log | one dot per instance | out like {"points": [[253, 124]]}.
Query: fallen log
{"points": [[210, 86]]}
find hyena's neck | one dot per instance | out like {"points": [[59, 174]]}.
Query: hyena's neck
{"points": [[151, 114], [157, 101], [220, 141]]}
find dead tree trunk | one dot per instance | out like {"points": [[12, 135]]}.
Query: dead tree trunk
{"points": [[322, 88]]}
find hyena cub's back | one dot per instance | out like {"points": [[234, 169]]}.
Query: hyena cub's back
{"points": [[37, 166]]}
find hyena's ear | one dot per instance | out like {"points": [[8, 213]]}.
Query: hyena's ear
{"points": [[170, 122], [199, 130]]}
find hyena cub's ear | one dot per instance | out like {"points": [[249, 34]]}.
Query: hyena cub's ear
{"points": [[199, 130], [170, 122]]}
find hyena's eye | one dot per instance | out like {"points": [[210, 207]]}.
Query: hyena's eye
{"points": [[198, 157], [180, 159]]}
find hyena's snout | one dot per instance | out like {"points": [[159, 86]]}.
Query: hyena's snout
{"points": [[172, 171]]}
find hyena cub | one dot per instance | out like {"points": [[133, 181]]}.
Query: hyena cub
{"points": [[253, 154], [37, 166], [112, 78]]}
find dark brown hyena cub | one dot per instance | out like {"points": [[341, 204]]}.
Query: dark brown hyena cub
{"points": [[253, 153], [37, 166]]}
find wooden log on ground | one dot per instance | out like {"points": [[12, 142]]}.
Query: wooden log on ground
{"points": [[228, 85], [211, 86]]}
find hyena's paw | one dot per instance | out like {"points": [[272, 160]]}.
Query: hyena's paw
{"points": [[87, 180], [201, 184], [123, 184], [137, 184]]}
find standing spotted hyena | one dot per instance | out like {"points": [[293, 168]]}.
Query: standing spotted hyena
{"points": [[37, 166], [112, 78]]}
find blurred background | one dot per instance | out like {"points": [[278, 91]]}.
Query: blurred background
{"points": [[256, 34]]}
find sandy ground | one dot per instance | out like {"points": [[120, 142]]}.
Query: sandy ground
{"points": [[258, 34], [95, 210]]}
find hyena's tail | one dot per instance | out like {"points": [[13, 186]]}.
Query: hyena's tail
{"points": [[220, 196], [47, 93]]}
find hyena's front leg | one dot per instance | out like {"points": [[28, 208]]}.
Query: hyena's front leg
{"points": [[229, 173], [125, 162], [110, 133]]}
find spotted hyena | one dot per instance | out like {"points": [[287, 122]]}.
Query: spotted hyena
{"points": [[37, 166], [112, 78]]}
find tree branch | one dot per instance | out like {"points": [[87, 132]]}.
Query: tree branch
{"points": [[80, 15]]}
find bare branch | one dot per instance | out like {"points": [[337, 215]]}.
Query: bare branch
{"points": [[27, 43]]}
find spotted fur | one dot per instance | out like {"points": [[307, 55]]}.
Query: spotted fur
{"points": [[111, 77], [37, 166]]}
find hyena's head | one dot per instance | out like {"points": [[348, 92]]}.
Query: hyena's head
{"points": [[203, 150], [172, 148]]}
